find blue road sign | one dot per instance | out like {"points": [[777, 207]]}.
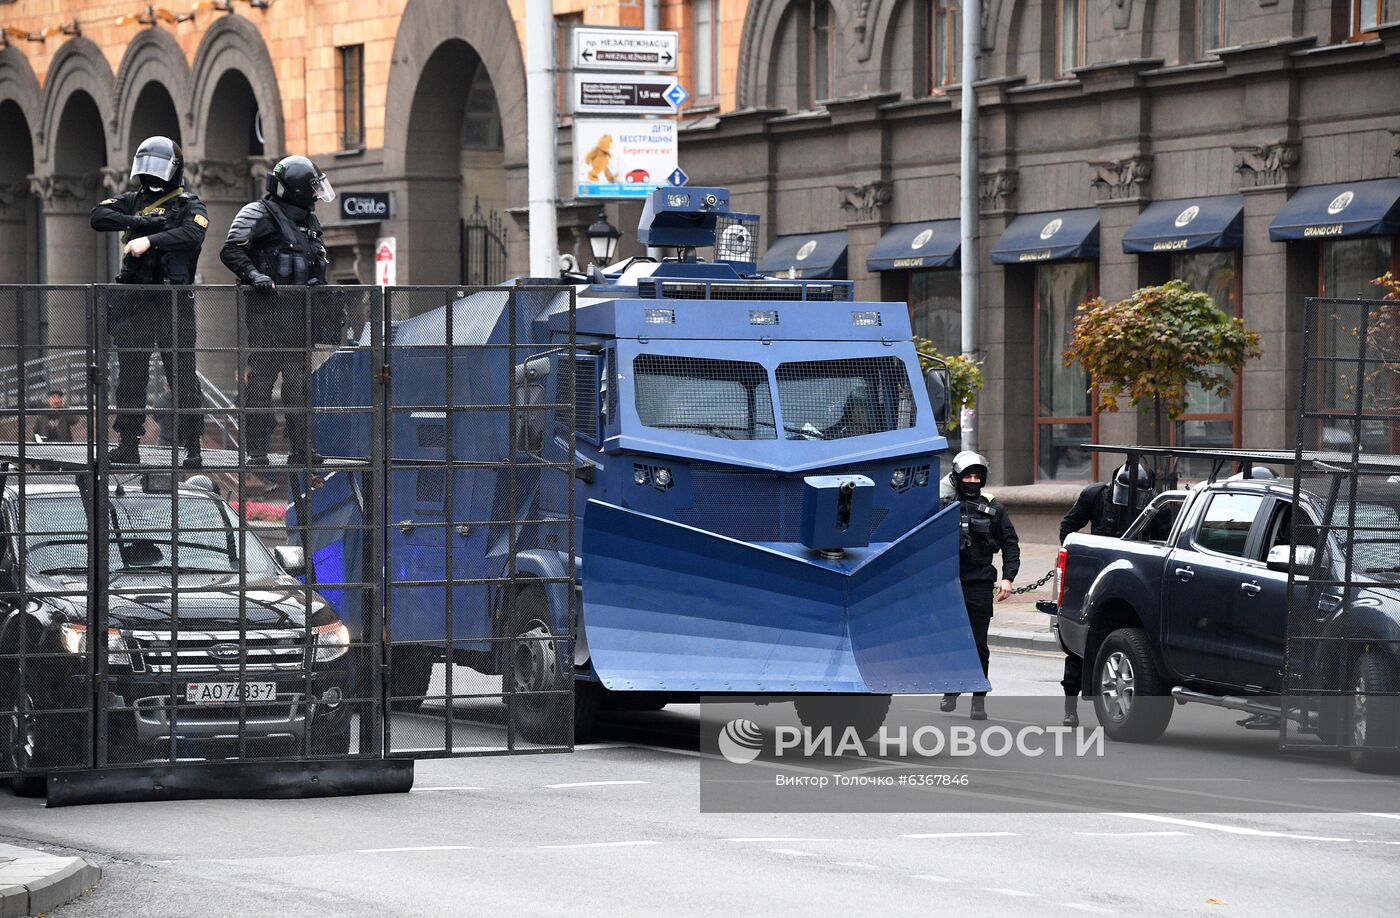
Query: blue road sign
{"points": [[678, 177], [676, 95]]}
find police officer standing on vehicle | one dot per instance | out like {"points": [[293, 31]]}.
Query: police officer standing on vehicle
{"points": [[277, 240], [1109, 509], [986, 529], [162, 227]]}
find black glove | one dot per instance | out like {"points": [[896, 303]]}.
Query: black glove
{"points": [[146, 225], [262, 282]]}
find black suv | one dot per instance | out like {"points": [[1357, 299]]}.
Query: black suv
{"points": [[292, 679]]}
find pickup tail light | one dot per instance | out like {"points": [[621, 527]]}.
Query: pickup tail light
{"points": [[1060, 560]]}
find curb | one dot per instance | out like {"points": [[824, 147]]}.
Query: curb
{"points": [[35, 883], [1022, 639]]}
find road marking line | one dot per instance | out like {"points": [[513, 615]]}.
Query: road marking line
{"points": [[1233, 830], [1132, 834], [963, 835], [860, 864], [775, 839], [415, 848], [1084, 907], [1349, 780], [1012, 892], [421, 790], [592, 784], [1381, 815], [615, 844], [931, 878], [792, 852]]}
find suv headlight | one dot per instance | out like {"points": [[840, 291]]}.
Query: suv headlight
{"points": [[332, 642], [73, 636]]}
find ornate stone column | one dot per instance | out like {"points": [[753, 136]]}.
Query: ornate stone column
{"points": [[224, 186], [71, 252]]}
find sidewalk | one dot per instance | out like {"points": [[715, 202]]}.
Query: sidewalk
{"points": [[1016, 624], [35, 883]]}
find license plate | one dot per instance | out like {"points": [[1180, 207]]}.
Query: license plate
{"points": [[229, 692]]}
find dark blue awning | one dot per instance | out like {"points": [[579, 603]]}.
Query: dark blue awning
{"points": [[1052, 236], [1332, 211], [917, 245], [1190, 223], [814, 256]]}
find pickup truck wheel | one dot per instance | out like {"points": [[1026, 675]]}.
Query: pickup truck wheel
{"points": [[30, 741], [410, 674], [1130, 697], [530, 667], [1374, 716], [866, 713]]}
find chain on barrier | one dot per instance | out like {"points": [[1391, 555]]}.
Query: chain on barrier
{"points": [[1035, 586]]}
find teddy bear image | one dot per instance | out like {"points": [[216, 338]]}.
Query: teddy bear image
{"points": [[599, 158]]}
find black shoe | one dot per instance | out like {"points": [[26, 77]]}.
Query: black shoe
{"points": [[193, 458], [979, 708], [127, 452], [299, 460], [258, 460], [1260, 722], [1071, 711], [949, 703]]}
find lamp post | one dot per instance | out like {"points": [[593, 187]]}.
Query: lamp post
{"points": [[602, 239]]}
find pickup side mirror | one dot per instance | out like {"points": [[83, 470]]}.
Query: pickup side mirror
{"points": [[292, 558], [939, 394], [1282, 558]]}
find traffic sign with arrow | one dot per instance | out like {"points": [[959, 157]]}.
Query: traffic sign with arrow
{"points": [[624, 49], [638, 94]]}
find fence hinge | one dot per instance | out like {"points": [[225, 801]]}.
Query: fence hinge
{"points": [[384, 373], [94, 374]]}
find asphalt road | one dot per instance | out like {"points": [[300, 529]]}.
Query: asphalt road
{"points": [[615, 829]]}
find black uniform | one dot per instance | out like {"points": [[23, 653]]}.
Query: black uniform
{"points": [[986, 530], [1094, 506], [174, 221], [274, 241]]}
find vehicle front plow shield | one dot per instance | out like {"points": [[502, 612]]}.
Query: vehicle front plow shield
{"points": [[671, 608]]}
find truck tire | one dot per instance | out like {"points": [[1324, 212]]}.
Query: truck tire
{"points": [[1373, 721], [1130, 697], [531, 667], [34, 742], [410, 675], [865, 713]]}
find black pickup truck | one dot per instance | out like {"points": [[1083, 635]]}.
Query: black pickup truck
{"points": [[1192, 604]]}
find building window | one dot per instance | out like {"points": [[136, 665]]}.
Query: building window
{"points": [[935, 312], [945, 41], [1069, 39], [1347, 269], [351, 93], [1211, 420], [1064, 416], [705, 46], [1212, 25], [564, 25], [1367, 15], [819, 66]]}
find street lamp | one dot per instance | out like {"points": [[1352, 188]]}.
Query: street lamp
{"points": [[602, 239]]}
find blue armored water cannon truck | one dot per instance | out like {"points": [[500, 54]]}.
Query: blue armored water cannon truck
{"points": [[756, 494]]}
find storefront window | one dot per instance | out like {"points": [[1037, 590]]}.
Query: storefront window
{"points": [[1064, 407], [935, 311], [1209, 421], [1348, 267]]}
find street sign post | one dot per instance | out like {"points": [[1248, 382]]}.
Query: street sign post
{"points": [[622, 157], [636, 94], [624, 49], [386, 258]]}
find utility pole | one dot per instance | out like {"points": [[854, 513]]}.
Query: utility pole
{"points": [[542, 137], [651, 15], [969, 256]]}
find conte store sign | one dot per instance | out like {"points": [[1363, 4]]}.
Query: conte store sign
{"points": [[366, 205]]}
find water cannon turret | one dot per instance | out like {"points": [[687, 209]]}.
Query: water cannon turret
{"points": [[691, 218]]}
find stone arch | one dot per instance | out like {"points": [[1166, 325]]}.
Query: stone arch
{"points": [[233, 45], [762, 28], [21, 107], [425, 114], [153, 66], [78, 66]]}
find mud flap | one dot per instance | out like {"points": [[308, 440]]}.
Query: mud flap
{"points": [[668, 607]]}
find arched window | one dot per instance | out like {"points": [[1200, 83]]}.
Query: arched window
{"points": [[1212, 26], [820, 44], [945, 43], [1069, 36], [705, 48]]}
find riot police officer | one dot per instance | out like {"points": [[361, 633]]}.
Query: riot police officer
{"points": [[277, 240], [162, 227], [986, 530], [1109, 508]]}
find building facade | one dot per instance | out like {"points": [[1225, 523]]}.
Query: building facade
{"points": [[1246, 146]]}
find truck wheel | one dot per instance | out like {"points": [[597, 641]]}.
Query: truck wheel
{"points": [[531, 667], [865, 713], [410, 675], [1374, 716], [1130, 698], [28, 741]]}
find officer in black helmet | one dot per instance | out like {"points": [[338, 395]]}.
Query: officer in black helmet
{"points": [[1109, 508], [277, 241], [162, 227], [986, 529]]}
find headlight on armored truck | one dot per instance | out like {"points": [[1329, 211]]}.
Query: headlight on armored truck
{"points": [[73, 636], [332, 641]]}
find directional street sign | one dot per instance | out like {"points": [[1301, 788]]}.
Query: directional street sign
{"points": [[678, 177], [624, 49], [607, 94]]}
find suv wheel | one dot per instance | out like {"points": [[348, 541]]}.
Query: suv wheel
{"points": [[1374, 716], [1130, 697], [865, 713], [23, 739]]}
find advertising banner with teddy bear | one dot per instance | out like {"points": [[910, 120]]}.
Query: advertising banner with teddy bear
{"points": [[622, 157]]}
